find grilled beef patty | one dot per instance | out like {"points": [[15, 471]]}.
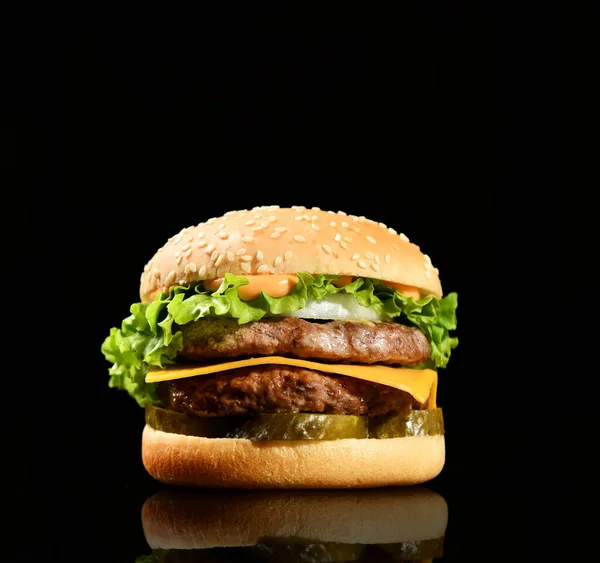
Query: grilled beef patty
{"points": [[334, 341], [274, 388]]}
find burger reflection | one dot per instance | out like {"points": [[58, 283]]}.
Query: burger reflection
{"points": [[405, 524]]}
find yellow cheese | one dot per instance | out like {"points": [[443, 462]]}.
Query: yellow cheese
{"points": [[420, 383]]}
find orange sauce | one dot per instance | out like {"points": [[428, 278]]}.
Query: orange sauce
{"points": [[278, 285], [343, 280], [406, 290], [274, 285]]}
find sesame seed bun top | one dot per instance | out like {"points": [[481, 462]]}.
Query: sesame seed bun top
{"points": [[273, 240]]}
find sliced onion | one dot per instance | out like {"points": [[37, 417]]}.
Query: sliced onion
{"points": [[334, 307]]}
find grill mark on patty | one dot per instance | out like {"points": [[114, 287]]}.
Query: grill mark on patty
{"points": [[333, 341]]}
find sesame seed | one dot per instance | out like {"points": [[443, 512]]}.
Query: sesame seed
{"points": [[342, 213], [369, 255], [356, 229], [388, 258], [333, 224], [347, 239], [250, 222], [395, 247], [299, 217], [192, 267], [382, 225], [262, 269], [371, 239], [259, 228], [156, 273], [202, 270], [190, 238], [314, 218], [287, 255], [177, 253], [223, 235], [281, 229], [345, 224], [200, 234], [344, 244], [221, 226], [179, 259], [214, 255], [275, 234], [306, 216], [211, 220], [182, 282], [316, 208], [241, 251], [299, 238], [404, 237], [177, 238], [248, 238], [246, 267], [246, 257], [264, 224], [201, 244], [171, 276], [209, 248], [257, 215], [375, 267], [146, 267], [259, 255], [277, 261], [355, 256], [219, 260], [428, 265], [272, 219], [428, 275], [315, 227], [230, 256], [185, 247], [436, 271], [362, 263], [427, 259], [187, 252], [392, 231], [377, 258], [331, 212], [327, 249], [337, 237]]}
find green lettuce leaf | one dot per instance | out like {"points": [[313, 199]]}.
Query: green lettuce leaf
{"points": [[149, 336]]}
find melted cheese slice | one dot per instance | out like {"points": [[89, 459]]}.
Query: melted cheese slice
{"points": [[420, 383]]}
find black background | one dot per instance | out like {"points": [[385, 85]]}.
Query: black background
{"points": [[427, 122]]}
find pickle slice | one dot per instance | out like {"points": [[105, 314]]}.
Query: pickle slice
{"points": [[298, 426], [183, 423], [261, 426], [302, 426], [412, 423]]}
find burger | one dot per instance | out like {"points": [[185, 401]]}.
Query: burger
{"points": [[392, 524], [287, 348]]}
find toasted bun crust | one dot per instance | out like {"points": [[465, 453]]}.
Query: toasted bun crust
{"points": [[273, 240], [175, 519], [231, 463]]}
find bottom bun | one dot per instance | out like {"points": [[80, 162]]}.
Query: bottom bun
{"points": [[230, 463]]}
